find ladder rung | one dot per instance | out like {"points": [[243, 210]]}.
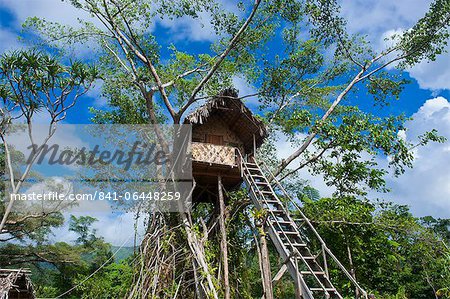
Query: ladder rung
{"points": [[309, 258], [299, 219], [297, 245], [287, 233], [271, 201], [314, 272], [273, 205], [283, 225], [281, 222], [253, 168], [321, 290]]}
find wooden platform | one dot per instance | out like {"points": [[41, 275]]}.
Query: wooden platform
{"points": [[205, 176]]}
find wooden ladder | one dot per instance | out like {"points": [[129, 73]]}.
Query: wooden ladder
{"points": [[311, 279]]}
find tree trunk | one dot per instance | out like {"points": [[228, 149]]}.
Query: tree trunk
{"points": [[352, 268], [223, 239], [198, 252], [265, 263]]}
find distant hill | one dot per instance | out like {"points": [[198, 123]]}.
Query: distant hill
{"points": [[122, 254]]}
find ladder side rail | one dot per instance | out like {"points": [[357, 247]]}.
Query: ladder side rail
{"points": [[252, 185], [281, 246], [289, 259], [271, 188], [322, 242], [298, 232]]}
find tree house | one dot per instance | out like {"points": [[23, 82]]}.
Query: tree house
{"points": [[224, 131], [16, 284]]}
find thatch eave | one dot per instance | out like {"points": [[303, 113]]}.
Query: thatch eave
{"points": [[15, 281], [232, 111]]}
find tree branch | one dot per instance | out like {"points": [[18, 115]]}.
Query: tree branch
{"points": [[310, 160], [220, 59]]}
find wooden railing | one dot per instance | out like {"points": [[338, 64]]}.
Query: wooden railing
{"points": [[214, 154]]}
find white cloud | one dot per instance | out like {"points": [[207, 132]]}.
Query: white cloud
{"points": [[402, 135], [193, 29], [197, 29], [8, 41], [286, 148], [184, 28], [117, 229], [432, 106], [387, 40], [379, 19], [433, 75], [96, 93], [426, 187], [246, 89], [52, 10], [65, 135], [390, 37], [376, 17]]}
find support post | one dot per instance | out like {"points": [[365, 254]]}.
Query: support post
{"points": [[352, 269], [265, 262], [325, 262], [279, 274], [223, 239], [297, 282]]}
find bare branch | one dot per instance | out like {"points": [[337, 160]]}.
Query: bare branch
{"points": [[313, 133], [307, 162], [119, 60], [185, 74], [220, 59], [122, 38]]}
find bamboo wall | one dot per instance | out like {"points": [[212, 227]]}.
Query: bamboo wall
{"points": [[216, 126], [216, 154]]}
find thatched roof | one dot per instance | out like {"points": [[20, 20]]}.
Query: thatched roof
{"points": [[235, 114], [15, 284]]}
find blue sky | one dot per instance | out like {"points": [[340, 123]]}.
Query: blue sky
{"points": [[426, 188]]}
